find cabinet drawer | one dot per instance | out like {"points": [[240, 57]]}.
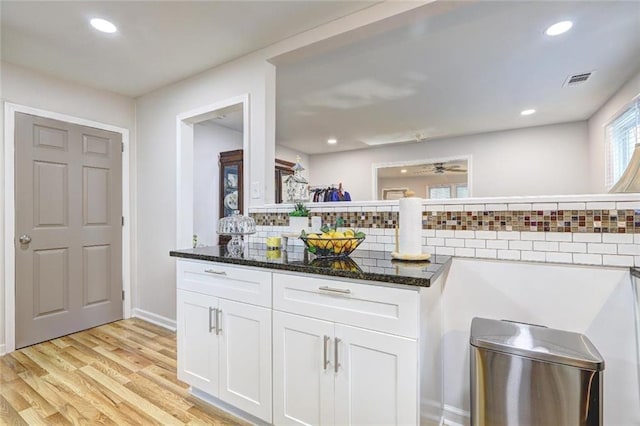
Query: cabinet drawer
{"points": [[230, 282], [380, 308]]}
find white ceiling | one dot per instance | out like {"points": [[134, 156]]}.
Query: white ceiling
{"points": [[158, 42], [467, 70]]}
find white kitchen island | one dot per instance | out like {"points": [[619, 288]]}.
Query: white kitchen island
{"points": [[293, 341]]}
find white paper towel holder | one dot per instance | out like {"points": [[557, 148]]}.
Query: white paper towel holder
{"points": [[408, 256]]}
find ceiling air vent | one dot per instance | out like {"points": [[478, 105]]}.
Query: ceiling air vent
{"points": [[574, 80]]}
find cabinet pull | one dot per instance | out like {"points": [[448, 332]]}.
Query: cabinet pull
{"points": [[334, 290], [211, 327], [325, 361], [213, 271], [218, 321], [335, 355]]}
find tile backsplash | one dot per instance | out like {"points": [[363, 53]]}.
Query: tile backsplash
{"points": [[602, 230]]}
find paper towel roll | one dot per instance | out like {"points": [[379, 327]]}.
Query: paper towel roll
{"points": [[410, 218]]}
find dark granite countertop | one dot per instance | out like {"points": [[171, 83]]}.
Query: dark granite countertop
{"points": [[365, 265], [635, 272]]}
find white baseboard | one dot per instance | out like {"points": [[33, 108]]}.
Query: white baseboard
{"points": [[203, 396], [154, 318], [2, 349], [454, 416]]}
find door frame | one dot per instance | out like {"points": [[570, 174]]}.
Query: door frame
{"points": [[10, 110], [185, 122]]}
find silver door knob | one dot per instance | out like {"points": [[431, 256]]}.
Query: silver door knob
{"points": [[24, 239]]}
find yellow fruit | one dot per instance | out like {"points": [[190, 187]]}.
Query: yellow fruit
{"points": [[349, 233], [338, 235]]}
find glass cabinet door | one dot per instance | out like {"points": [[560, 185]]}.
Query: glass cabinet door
{"points": [[230, 194]]}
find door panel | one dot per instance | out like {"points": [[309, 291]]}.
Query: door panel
{"points": [[245, 357], [303, 391], [377, 379], [69, 202]]}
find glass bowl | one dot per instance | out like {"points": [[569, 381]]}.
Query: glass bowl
{"points": [[331, 247]]}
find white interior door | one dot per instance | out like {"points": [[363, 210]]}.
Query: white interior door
{"points": [[377, 380], [68, 186], [303, 373]]}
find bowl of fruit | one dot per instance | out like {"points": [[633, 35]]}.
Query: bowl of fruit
{"points": [[331, 242]]}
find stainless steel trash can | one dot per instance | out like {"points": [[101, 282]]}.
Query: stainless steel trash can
{"points": [[524, 374]]}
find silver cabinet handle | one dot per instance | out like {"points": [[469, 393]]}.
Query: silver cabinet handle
{"points": [[213, 271], [24, 239], [218, 321], [211, 310], [325, 361], [334, 290], [335, 355]]}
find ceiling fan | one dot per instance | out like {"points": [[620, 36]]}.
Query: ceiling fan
{"points": [[441, 168]]}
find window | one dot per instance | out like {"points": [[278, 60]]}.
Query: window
{"points": [[462, 191], [621, 136], [436, 192]]}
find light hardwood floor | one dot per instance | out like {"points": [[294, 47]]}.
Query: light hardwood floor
{"points": [[117, 374]]}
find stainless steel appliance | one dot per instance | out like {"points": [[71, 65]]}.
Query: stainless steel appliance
{"points": [[524, 374]]}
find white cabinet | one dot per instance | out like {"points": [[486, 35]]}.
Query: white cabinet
{"points": [[224, 346], [327, 373]]}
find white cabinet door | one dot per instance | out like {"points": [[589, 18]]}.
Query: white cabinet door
{"points": [[377, 379], [245, 357], [197, 341], [303, 375]]}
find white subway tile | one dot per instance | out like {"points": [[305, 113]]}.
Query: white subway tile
{"points": [[387, 239], [628, 205], [544, 206], [498, 244], [474, 207], [487, 253], [435, 241], [385, 263], [601, 205], [374, 231], [587, 259], [520, 245], [354, 209], [572, 206], [428, 232], [534, 256], [558, 257], [518, 207], [496, 207], [636, 238], [427, 249], [390, 247], [447, 251], [573, 247], [445, 233], [390, 232], [509, 254], [633, 249], [376, 246], [487, 235], [395, 208], [613, 260], [465, 252], [545, 245], [453, 208], [533, 236], [454, 242], [636, 261], [383, 208], [557, 236], [475, 243], [367, 209], [374, 238], [602, 248], [369, 262], [508, 235], [617, 238], [465, 234], [434, 208], [587, 238]]}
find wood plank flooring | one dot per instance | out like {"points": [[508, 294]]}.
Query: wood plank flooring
{"points": [[123, 373]]}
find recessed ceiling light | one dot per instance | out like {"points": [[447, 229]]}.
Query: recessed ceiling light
{"points": [[528, 112], [403, 171], [332, 141], [103, 25], [559, 28]]}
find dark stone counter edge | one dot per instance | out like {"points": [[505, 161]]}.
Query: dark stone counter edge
{"points": [[635, 272], [366, 276]]}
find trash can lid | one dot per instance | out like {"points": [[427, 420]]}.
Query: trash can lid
{"points": [[536, 342]]}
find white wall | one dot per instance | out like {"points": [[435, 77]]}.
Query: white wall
{"points": [[209, 140], [419, 184], [597, 123], [540, 160], [597, 302], [25, 87]]}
